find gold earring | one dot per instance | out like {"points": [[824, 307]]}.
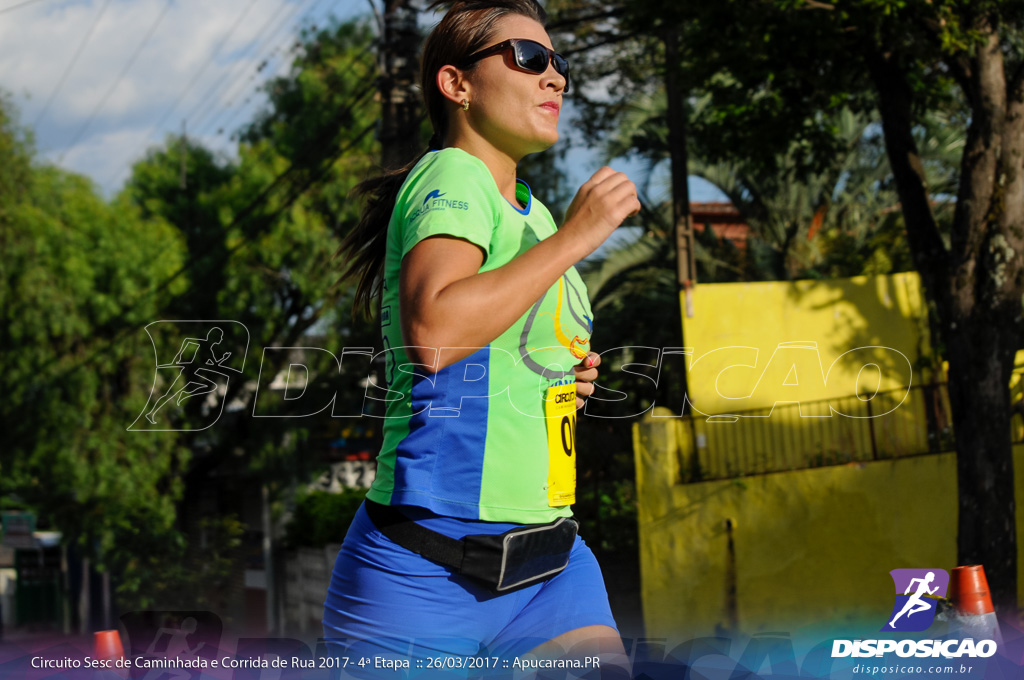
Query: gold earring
{"points": [[465, 105]]}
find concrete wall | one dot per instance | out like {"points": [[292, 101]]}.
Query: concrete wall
{"points": [[8, 582], [757, 344], [788, 549], [307, 576]]}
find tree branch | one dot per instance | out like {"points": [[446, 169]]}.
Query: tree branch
{"points": [[1011, 223], [563, 23], [960, 68], [1015, 84], [894, 105], [601, 43], [959, 63], [978, 196]]}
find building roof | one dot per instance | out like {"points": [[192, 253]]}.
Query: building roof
{"points": [[724, 220]]}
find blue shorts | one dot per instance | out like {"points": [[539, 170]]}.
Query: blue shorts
{"points": [[386, 600]]}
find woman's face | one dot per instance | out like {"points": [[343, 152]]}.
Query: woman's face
{"points": [[517, 112]]}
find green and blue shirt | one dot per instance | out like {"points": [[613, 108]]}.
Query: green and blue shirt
{"points": [[471, 440]]}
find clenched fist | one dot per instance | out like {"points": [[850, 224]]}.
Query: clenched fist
{"points": [[600, 206]]}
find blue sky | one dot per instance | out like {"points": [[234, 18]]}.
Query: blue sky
{"points": [[100, 81]]}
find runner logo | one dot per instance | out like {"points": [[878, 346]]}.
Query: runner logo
{"points": [[917, 594], [193, 369], [435, 200], [436, 193]]}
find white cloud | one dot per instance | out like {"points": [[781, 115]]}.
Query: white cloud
{"points": [[39, 42], [101, 155], [200, 51]]}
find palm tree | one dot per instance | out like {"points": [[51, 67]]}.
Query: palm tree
{"points": [[843, 220]]}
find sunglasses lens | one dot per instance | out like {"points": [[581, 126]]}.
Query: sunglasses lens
{"points": [[532, 56], [562, 66]]}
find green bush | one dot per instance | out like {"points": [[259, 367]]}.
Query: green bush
{"points": [[321, 518]]}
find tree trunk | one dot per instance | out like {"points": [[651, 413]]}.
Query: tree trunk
{"points": [[983, 321], [977, 287], [980, 354]]}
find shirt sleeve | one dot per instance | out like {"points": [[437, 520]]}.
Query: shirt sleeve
{"points": [[454, 196]]}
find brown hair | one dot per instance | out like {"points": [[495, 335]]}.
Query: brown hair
{"points": [[468, 26]]}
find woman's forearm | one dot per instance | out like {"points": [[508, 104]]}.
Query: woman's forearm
{"points": [[473, 309], [447, 303]]}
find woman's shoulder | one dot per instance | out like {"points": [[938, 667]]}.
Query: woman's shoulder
{"points": [[451, 159], [448, 170]]}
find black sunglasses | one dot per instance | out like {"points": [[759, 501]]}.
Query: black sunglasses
{"points": [[530, 56]]}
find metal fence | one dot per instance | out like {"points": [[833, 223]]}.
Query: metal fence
{"points": [[893, 424]]}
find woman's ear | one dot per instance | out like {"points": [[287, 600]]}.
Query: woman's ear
{"points": [[452, 84]]}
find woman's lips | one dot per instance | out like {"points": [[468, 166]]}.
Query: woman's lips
{"points": [[551, 106]]}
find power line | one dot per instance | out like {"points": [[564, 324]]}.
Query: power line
{"points": [[120, 77], [258, 42], [240, 85], [228, 72], [332, 89], [337, 127], [191, 84], [18, 6], [74, 60], [356, 59], [239, 218], [209, 119], [195, 78]]}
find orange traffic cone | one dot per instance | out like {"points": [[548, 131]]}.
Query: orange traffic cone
{"points": [[107, 647], [969, 593]]}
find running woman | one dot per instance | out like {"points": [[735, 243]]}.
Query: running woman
{"points": [[465, 546], [915, 603]]}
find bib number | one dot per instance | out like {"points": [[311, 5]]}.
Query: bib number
{"points": [[560, 414]]}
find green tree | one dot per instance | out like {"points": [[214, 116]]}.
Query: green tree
{"points": [[773, 68], [77, 279], [185, 185], [262, 232]]}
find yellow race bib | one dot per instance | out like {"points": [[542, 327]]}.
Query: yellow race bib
{"points": [[560, 414]]}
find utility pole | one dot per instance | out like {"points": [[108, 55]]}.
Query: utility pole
{"points": [[686, 266], [399, 98], [183, 179], [682, 219]]}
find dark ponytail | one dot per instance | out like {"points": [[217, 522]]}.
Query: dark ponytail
{"points": [[468, 26]]}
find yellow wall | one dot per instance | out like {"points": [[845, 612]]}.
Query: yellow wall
{"points": [[756, 344], [788, 437], [809, 545]]}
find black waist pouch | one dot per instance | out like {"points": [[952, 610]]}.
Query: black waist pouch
{"points": [[504, 562], [521, 556]]}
